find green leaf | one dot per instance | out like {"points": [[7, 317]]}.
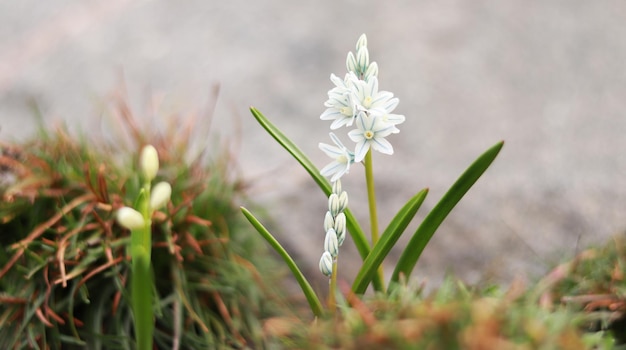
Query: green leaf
{"points": [[355, 230], [427, 229], [387, 240], [357, 234], [310, 295]]}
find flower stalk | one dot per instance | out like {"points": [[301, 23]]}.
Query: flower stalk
{"points": [[139, 222]]}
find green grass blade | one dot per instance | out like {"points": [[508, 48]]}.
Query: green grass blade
{"points": [[387, 240], [310, 295], [357, 234], [427, 229]]}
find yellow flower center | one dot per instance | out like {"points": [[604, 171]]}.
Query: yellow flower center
{"points": [[368, 134], [346, 111], [367, 102]]}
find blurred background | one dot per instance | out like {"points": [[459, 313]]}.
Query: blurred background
{"points": [[548, 77]]}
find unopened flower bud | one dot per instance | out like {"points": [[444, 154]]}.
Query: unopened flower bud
{"points": [[340, 228], [331, 244], [362, 60], [343, 201], [160, 195], [372, 71], [362, 42], [329, 221], [149, 162], [326, 264], [337, 186], [333, 204], [351, 63], [130, 218]]}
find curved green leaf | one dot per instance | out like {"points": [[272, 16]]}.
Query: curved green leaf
{"points": [[357, 234], [387, 240], [427, 229], [310, 295]]}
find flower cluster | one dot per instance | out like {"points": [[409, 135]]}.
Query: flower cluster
{"points": [[335, 227], [356, 101], [159, 195]]}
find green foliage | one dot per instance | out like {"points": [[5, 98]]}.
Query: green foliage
{"points": [[438, 214], [64, 265]]}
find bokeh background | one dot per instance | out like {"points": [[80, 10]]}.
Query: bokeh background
{"points": [[548, 77]]}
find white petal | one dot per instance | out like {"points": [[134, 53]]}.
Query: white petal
{"points": [[331, 151], [361, 150], [382, 146], [339, 122], [356, 135], [330, 114]]}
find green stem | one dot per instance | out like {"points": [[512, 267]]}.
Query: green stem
{"points": [[371, 199], [371, 196], [332, 302], [141, 291], [141, 283]]}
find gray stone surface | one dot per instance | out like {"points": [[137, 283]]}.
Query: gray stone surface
{"points": [[549, 77]]}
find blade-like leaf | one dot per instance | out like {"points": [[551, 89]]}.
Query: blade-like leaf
{"points": [[310, 295], [427, 229], [357, 234], [387, 241]]}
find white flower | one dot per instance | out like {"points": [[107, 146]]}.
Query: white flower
{"points": [[331, 244], [160, 195], [149, 162], [342, 159], [326, 264], [341, 103], [130, 218], [371, 100], [371, 132]]}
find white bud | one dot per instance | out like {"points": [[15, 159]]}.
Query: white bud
{"points": [[340, 228], [331, 244], [362, 42], [372, 71], [343, 201], [333, 204], [362, 60], [149, 162], [351, 63], [326, 264], [337, 186], [329, 221], [130, 218], [160, 195]]}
